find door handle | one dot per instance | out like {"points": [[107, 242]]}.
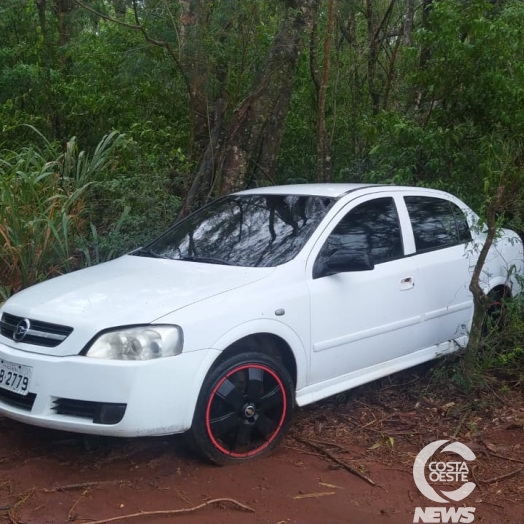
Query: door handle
{"points": [[407, 283]]}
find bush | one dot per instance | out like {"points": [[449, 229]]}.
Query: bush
{"points": [[42, 208]]}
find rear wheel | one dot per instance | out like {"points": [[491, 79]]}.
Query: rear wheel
{"points": [[496, 312], [244, 408]]}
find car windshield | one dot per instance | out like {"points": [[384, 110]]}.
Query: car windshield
{"points": [[243, 230]]}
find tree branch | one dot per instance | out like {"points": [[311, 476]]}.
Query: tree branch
{"points": [[139, 27], [106, 17], [167, 512]]}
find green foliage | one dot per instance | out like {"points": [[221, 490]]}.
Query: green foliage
{"points": [[115, 82], [499, 362], [503, 352], [140, 190], [42, 208], [466, 100]]}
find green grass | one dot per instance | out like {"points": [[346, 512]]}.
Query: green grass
{"points": [[42, 200]]}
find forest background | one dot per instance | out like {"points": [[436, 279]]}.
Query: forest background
{"points": [[118, 116]]}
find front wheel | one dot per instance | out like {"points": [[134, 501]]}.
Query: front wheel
{"points": [[244, 408]]}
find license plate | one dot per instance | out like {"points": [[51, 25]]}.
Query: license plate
{"points": [[15, 377]]}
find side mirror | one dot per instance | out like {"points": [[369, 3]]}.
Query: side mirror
{"points": [[348, 260]]}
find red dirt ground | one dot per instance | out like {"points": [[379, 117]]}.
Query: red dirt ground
{"points": [[54, 477]]}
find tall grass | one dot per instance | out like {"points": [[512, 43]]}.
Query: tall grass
{"points": [[42, 200]]}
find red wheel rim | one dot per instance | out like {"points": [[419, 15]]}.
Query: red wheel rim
{"points": [[246, 410]]}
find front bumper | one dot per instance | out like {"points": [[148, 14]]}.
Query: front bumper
{"points": [[159, 395]]}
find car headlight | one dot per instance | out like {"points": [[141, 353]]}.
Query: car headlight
{"points": [[138, 343]]}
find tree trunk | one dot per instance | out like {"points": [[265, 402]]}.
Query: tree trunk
{"points": [[377, 34], [480, 299], [408, 23], [425, 52], [247, 147], [63, 8], [41, 7], [193, 59], [372, 56], [264, 166], [324, 157], [256, 130]]}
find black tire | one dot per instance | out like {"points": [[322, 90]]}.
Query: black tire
{"points": [[244, 409], [496, 313]]}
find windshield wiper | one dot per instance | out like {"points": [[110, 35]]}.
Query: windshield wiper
{"points": [[207, 260], [145, 252]]}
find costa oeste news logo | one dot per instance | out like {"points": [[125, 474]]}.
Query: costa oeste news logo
{"points": [[441, 472]]}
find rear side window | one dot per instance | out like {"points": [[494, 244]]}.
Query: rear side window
{"points": [[372, 226], [436, 223]]}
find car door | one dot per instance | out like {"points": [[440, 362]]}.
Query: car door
{"points": [[363, 318], [445, 257]]}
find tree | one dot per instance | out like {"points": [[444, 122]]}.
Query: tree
{"points": [[321, 83], [503, 186], [241, 143]]}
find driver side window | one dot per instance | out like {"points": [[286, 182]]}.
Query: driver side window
{"points": [[372, 226]]}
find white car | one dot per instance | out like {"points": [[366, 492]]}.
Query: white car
{"points": [[261, 300]]}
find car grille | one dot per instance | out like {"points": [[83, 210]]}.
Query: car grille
{"points": [[38, 334], [16, 400], [97, 412]]}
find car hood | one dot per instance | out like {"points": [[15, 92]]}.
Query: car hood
{"points": [[128, 290]]}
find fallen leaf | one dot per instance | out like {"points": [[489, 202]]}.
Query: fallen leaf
{"points": [[491, 446]]}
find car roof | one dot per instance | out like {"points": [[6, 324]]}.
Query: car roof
{"points": [[326, 189]]}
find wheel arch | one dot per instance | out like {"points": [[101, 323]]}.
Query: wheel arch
{"points": [[267, 343], [499, 288], [271, 337], [282, 338]]}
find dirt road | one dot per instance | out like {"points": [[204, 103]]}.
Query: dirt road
{"points": [[53, 477]]}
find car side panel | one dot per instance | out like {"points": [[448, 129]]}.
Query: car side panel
{"points": [[324, 389], [279, 305], [447, 303], [364, 318], [504, 263]]}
